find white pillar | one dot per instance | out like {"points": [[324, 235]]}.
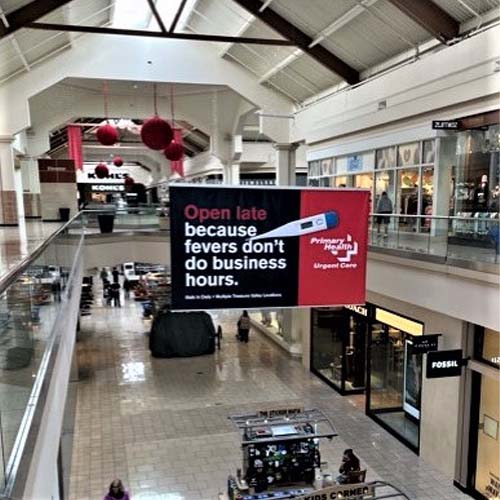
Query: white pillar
{"points": [[8, 197], [285, 164], [231, 174], [31, 187]]}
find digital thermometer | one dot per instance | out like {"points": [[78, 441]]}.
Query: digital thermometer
{"points": [[311, 224]]}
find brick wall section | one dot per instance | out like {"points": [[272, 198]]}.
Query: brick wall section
{"points": [[8, 208]]}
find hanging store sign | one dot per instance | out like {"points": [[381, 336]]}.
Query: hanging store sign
{"points": [[445, 363], [253, 248], [363, 311], [345, 492], [107, 188], [445, 125], [424, 343]]}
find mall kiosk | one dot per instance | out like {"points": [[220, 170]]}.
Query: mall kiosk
{"points": [[281, 457]]}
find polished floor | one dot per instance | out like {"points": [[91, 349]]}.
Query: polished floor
{"points": [[161, 425]]}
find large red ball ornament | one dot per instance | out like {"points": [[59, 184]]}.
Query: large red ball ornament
{"points": [[129, 181], [117, 161], [156, 133], [107, 135], [101, 171], [174, 151]]}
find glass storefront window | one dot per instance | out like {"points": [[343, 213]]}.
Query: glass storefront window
{"points": [[429, 151], [487, 474], [341, 181], [314, 169], [407, 198], [409, 154], [272, 320], [338, 342], [327, 167], [395, 381], [385, 158], [426, 194], [363, 181], [487, 346]]}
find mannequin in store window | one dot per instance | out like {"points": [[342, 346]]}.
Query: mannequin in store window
{"points": [[481, 195]]}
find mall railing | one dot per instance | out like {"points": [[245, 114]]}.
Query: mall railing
{"points": [[148, 218], [455, 240], [33, 297]]}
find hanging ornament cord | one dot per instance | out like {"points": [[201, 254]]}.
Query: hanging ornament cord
{"points": [[172, 105], [155, 99], [105, 92]]}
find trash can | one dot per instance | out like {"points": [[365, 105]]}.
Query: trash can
{"points": [[106, 222], [64, 214]]}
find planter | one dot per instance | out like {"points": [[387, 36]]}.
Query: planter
{"points": [[106, 222], [64, 214]]}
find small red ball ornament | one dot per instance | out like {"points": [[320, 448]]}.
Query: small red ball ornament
{"points": [[101, 171], [107, 135], [129, 181], [174, 151], [156, 133], [117, 161]]}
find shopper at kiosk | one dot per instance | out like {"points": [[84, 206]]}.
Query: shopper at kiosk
{"points": [[350, 464]]}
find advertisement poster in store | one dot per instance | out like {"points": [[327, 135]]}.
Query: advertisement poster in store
{"points": [[244, 247]]}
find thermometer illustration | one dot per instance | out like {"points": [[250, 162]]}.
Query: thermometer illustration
{"points": [[311, 224]]}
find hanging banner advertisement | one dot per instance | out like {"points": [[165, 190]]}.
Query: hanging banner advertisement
{"points": [[244, 247]]}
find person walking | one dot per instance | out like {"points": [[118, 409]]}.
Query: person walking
{"points": [[115, 294], [116, 275], [384, 206], [117, 491], [103, 275], [243, 327], [126, 288]]}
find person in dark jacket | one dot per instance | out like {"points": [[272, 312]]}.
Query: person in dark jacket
{"points": [[116, 275], [115, 294], [117, 491], [243, 327], [384, 206], [350, 463]]}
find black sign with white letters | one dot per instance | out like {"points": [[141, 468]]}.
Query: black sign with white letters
{"points": [[444, 363], [424, 343], [445, 125]]}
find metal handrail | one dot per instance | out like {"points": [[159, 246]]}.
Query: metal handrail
{"points": [[438, 217], [13, 274]]}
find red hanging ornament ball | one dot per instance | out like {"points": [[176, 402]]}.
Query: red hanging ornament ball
{"points": [[174, 151], [101, 171], [117, 161], [107, 135], [156, 133], [129, 181]]}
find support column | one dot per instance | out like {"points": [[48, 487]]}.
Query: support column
{"points": [[285, 164], [31, 187], [231, 174], [8, 200]]}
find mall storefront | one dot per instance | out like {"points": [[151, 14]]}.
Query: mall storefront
{"points": [[368, 349]]}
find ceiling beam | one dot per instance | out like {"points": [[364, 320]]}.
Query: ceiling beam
{"points": [[158, 34], [431, 17], [177, 16], [301, 39], [21, 17], [157, 16]]}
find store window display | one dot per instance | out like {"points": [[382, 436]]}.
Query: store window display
{"points": [[395, 376], [272, 320], [338, 347]]}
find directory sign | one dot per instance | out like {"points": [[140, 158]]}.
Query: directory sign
{"points": [[245, 247]]}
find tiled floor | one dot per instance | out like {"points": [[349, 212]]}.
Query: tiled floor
{"points": [[161, 424]]}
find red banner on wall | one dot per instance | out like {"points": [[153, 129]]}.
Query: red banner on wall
{"points": [[75, 145]]}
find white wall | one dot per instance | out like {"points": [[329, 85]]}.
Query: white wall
{"points": [[456, 74], [58, 195], [459, 293]]}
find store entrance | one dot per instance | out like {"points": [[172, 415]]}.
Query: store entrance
{"points": [[395, 376]]}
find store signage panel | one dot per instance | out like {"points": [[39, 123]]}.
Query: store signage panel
{"points": [[107, 188], [345, 491], [399, 322], [363, 311], [444, 363], [424, 343], [252, 248], [354, 163], [445, 124]]}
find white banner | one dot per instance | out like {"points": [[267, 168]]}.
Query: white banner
{"points": [[360, 491]]}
